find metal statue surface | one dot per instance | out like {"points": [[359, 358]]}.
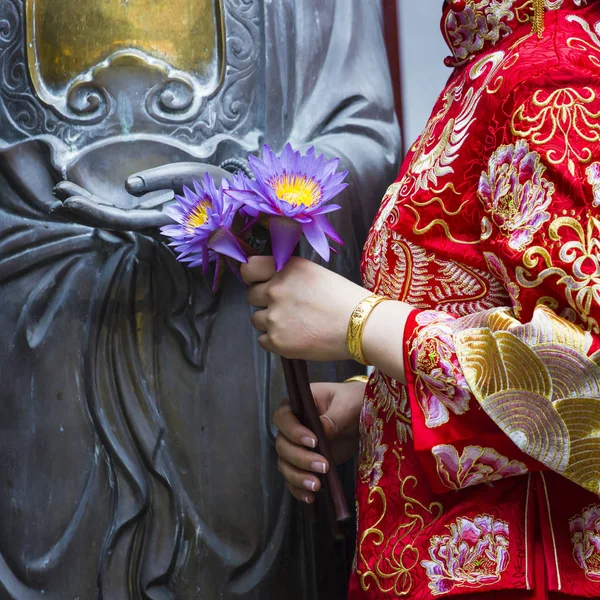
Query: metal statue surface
{"points": [[136, 453]]}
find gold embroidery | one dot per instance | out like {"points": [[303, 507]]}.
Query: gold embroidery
{"points": [[560, 117], [399, 554], [582, 254], [434, 152], [391, 398], [422, 231], [537, 384], [583, 45]]}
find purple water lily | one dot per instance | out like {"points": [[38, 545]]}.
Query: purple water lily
{"points": [[293, 191], [202, 233]]}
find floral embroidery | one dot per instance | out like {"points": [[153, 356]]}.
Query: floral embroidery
{"points": [[498, 269], [475, 466], [593, 173], [515, 194], [480, 22], [371, 448], [585, 535], [394, 569], [562, 120], [439, 383], [474, 554], [391, 398], [580, 249]]}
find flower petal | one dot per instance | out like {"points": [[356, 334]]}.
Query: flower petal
{"points": [[285, 235], [316, 238], [224, 242], [328, 229]]}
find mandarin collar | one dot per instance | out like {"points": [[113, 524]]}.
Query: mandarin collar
{"points": [[471, 27]]}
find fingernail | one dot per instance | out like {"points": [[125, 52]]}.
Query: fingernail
{"points": [[307, 499], [319, 466], [308, 441], [310, 485]]}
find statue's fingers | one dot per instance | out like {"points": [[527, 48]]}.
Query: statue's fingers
{"points": [[67, 189], [117, 219], [172, 177], [157, 199]]}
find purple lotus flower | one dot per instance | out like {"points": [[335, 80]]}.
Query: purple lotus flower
{"points": [[293, 191], [203, 231]]}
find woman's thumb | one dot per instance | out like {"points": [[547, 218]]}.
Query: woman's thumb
{"points": [[330, 426], [336, 420]]}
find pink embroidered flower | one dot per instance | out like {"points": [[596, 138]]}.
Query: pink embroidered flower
{"points": [[440, 385], [475, 465], [585, 535], [515, 194], [480, 22], [371, 449], [473, 555], [593, 173]]}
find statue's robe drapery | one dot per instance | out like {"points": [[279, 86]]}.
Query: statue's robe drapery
{"points": [[135, 440]]}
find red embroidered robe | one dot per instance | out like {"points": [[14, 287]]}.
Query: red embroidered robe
{"points": [[482, 475]]}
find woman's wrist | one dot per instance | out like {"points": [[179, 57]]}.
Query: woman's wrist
{"points": [[383, 338]]}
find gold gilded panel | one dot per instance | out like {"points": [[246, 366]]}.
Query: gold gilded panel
{"points": [[69, 37]]}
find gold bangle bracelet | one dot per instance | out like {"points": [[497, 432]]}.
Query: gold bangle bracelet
{"points": [[358, 379], [356, 326]]}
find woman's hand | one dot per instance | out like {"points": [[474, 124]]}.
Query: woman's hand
{"points": [[303, 310], [339, 405]]}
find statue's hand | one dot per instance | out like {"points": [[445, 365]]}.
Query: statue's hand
{"points": [[78, 205], [172, 177]]}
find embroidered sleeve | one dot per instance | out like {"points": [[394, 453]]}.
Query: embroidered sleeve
{"points": [[533, 367]]}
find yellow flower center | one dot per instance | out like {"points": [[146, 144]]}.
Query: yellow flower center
{"points": [[297, 190], [198, 216]]}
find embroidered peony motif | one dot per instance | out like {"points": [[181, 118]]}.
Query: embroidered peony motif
{"points": [[474, 554], [475, 465], [440, 385], [515, 194], [371, 449], [585, 535], [593, 173], [480, 22]]}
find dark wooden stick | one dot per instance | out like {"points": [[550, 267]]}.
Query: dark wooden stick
{"points": [[298, 405], [312, 420], [298, 410]]}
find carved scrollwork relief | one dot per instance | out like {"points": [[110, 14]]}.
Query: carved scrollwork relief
{"points": [[104, 101]]}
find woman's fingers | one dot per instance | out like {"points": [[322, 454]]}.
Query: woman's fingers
{"points": [[289, 426], [301, 494], [259, 320], [266, 344], [257, 295], [258, 269], [300, 457], [297, 478]]}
